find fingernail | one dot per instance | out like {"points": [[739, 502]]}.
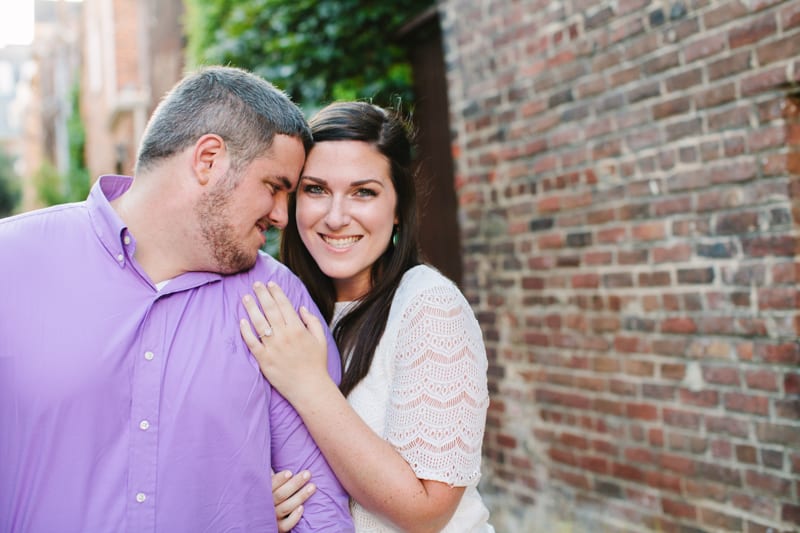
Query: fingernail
{"points": [[257, 285], [306, 475]]}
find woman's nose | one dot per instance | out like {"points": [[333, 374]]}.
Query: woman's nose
{"points": [[337, 216]]}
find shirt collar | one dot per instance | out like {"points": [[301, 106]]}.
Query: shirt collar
{"points": [[119, 242], [108, 226]]}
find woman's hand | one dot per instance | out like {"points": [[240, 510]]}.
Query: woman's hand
{"points": [[291, 350], [288, 494]]}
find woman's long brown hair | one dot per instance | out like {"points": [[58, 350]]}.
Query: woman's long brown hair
{"points": [[358, 332]]}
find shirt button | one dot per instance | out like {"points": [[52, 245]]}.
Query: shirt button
{"points": [[144, 424], [140, 497], [149, 355], [120, 258], [126, 239]]}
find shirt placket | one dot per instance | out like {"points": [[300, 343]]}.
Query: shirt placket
{"points": [[149, 366]]}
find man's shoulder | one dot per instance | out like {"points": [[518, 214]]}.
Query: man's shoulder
{"points": [[41, 219], [267, 268]]}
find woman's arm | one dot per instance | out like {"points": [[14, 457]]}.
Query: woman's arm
{"points": [[369, 468]]}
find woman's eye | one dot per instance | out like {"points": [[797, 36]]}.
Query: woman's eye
{"points": [[366, 192], [313, 189]]}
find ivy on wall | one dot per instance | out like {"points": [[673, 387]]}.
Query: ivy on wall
{"points": [[316, 51]]}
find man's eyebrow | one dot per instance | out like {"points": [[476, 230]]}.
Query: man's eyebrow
{"points": [[283, 182]]}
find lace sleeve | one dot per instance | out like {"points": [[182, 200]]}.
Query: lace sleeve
{"points": [[439, 397]]}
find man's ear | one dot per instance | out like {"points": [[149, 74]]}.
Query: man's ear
{"points": [[209, 158]]}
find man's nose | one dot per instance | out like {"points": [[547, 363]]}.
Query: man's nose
{"points": [[279, 215]]}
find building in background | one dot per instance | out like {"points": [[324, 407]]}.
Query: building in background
{"points": [[628, 178], [57, 58], [15, 66], [16, 69], [133, 53]]}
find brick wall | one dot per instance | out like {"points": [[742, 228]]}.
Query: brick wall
{"points": [[627, 175]]}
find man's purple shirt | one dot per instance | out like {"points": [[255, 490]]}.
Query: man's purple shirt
{"points": [[128, 408]]}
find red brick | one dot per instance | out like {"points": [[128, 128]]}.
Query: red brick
{"points": [[791, 383], [677, 463], [678, 325], [642, 411], [706, 398], [761, 379], [721, 375], [788, 408], [778, 433], [746, 403], [786, 354], [717, 519], [706, 46], [762, 482], [721, 449], [753, 31], [679, 509], [715, 95], [778, 298], [764, 80], [571, 478], [729, 66], [728, 425], [746, 454], [724, 13], [685, 419], [790, 16]]}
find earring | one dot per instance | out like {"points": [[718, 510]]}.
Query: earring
{"points": [[394, 236]]}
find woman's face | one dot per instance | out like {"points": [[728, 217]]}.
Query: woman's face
{"points": [[346, 205]]}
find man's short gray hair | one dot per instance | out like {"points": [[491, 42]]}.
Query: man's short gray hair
{"points": [[243, 109]]}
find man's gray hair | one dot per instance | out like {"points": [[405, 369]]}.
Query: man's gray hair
{"points": [[243, 109]]}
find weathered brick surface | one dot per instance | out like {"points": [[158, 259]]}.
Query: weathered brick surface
{"points": [[628, 176]]}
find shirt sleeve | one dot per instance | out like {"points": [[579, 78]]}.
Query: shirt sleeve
{"points": [[294, 449], [439, 397]]}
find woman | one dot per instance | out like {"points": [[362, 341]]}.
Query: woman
{"points": [[403, 431]]}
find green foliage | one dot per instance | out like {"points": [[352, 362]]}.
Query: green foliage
{"points": [[51, 187], [317, 51], [78, 183], [10, 192]]}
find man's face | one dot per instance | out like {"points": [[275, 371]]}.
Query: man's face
{"points": [[234, 214]]}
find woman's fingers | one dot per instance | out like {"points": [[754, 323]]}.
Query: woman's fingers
{"points": [[309, 320], [259, 320], [285, 525], [289, 493], [272, 311], [285, 485]]}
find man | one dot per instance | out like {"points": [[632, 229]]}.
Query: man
{"points": [[128, 401]]}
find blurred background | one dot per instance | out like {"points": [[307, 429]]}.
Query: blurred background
{"points": [[614, 185]]}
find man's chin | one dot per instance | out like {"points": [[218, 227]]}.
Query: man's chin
{"points": [[242, 263]]}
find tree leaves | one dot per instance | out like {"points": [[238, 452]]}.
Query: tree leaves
{"points": [[315, 51]]}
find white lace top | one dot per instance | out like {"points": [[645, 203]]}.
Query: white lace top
{"points": [[426, 392]]}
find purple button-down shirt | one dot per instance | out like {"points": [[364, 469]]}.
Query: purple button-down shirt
{"points": [[128, 408]]}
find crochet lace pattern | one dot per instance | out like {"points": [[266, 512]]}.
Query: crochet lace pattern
{"points": [[426, 391], [437, 407]]}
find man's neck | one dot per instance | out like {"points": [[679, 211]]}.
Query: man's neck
{"points": [[156, 223]]}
